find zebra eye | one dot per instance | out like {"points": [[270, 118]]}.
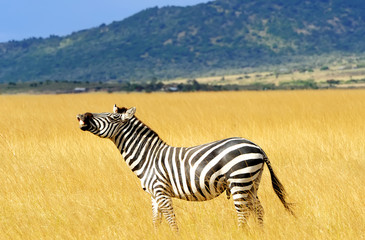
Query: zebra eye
{"points": [[112, 118]]}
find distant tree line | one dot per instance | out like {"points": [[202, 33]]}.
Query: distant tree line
{"points": [[191, 85]]}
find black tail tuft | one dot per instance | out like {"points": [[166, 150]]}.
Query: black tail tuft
{"points": [[279, 188]]}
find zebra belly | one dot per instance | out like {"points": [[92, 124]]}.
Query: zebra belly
{"points": [[202, 192]]}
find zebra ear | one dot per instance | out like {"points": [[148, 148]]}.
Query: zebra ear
{"points": [[119, 110], [130, 113]]}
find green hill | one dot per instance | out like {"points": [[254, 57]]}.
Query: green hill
{"points": [[172, 42]]}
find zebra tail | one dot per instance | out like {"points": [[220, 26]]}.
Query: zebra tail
{"points": [[279, 188]]}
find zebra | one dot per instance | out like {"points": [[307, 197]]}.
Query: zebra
{"points": [[199, 173]]}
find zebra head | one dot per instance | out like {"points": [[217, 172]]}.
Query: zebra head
{"points": [[105, 125]]}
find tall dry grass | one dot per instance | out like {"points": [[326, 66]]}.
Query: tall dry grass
{"points": [[57, 182]]}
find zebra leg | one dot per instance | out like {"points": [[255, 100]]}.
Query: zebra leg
{"points": [[228, 193], [165, 206], [256, 207], [240, 200], [242, 213], [255, 204], [156, 213]]}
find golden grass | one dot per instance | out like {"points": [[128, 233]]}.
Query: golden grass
{"points": [[57, 182]]}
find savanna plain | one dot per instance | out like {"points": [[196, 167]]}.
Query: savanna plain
{"points": [[57, 182]]}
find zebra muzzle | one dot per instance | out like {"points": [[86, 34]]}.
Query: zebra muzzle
{"points": [[83, 121], [79, 118]]}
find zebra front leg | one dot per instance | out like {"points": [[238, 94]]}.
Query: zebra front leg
{"points": [[165, 206], [156, 213]]}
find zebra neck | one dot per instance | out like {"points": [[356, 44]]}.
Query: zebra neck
{"points": [[138, 145]]}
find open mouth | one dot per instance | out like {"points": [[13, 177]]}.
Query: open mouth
{"points": [[82, 124]]}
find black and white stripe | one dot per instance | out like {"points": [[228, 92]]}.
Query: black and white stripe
{"points": [[197, 173]]}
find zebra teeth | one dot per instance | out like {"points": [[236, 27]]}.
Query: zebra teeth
{"points": [[82, 122]]}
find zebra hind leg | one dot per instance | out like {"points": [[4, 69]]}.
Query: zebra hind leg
{"points": [[246, 201], [242, 212], [156, 213], [240, 200], [165, 206], [228, 193], [256, 207]]}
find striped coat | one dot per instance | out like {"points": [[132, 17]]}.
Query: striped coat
{"points": [[199, 173]]}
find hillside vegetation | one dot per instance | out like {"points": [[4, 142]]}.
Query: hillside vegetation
{"points": [[217, 37], [58, 182], [346, 75]]}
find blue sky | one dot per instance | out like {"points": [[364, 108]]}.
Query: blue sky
{"points": [[20, 19]]}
